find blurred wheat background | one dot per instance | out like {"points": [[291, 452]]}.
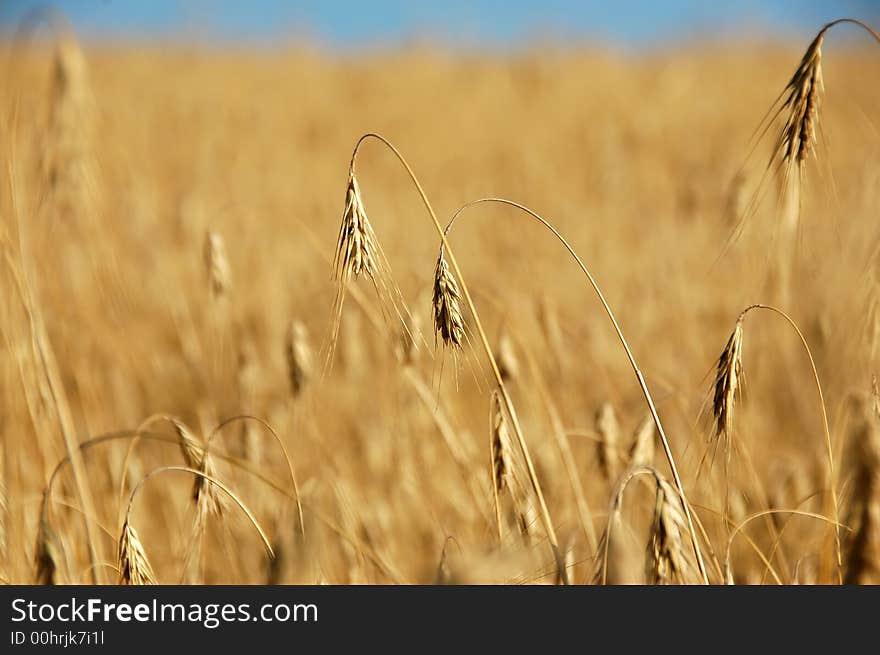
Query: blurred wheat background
{"points": [[168, 226]]}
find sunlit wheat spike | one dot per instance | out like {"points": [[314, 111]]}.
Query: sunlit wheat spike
{"points": [[448, 320], [803, 96], [609, 431], [134, 567], [358, 252], [667, 557], [217, 265], [357, 249], [728, 385], [189, 445], [299, 357]]}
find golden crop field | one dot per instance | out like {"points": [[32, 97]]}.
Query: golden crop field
{"points": [[180, 229]]}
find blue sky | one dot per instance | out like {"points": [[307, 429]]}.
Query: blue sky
{"points": [[491, 23]]}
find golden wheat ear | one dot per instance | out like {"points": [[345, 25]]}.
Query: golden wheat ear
{"points": [[799, 103], [803, 97], [448, 319], [134, 566], [299, 357], [727, 388], [667, 561], [358, 252]]}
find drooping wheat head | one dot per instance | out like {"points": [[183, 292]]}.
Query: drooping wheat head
{"points": [[728, 386], [206, 496], [358, 252], [134, 567], [448, 319], [190, 448], [801, 104], [667, 560]]}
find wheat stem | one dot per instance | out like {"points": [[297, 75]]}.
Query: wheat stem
{"points": [[831, 471], [641, 379]]}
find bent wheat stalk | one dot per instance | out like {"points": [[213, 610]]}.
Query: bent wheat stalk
{"points": [[484, 341], [725, 393], [638, 373], [768, 512], [226, 490], [290, 469]]}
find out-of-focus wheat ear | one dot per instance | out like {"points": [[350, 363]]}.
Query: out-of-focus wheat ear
{"points": [[863, 556], [46, 556], [508, 363], [299, 357], [609, 432], [67, 160], [205, 494], [217, 265], [448, 319], [641, 453], [875, 396], [190, 448], [443, 576], [500, 454], [728, 386], [134, 567], [667, 559]]}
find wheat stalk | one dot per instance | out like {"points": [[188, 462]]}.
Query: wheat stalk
{"points": [[724, 394], [624, 344]]}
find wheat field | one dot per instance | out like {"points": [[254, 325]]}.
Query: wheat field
{"points": [[191, 392]]}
